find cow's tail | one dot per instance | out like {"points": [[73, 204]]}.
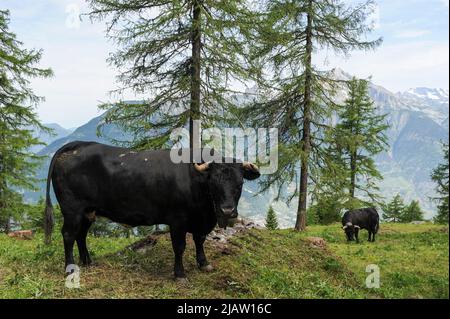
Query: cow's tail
{"points": [[48, 213]]}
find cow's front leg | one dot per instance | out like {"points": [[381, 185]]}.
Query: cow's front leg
{"points": [[178, 237], [356, 235], [202, 262]]}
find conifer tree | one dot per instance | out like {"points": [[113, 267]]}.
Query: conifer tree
{"points": [[362, 134], [183, 54], [412, 212], [394, 210], [299, 97], [440, 177], [17, 116], [271, 219]]}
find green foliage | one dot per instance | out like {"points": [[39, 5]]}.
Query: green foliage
{"points": [[326, 210], [441, 178], [271, 219], [30, 216], [184, 54], [17, 102], [11, 207], [312, 218], [394, 210], [412, 212]]}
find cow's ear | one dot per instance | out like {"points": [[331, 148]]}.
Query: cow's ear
{"points": [[251, 171]]}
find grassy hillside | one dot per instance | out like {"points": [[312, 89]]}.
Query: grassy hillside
{"points": [[413, 261]]}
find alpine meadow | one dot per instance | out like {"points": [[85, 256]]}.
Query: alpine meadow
{"points": [[213, 149]]}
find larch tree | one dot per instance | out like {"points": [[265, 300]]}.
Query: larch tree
{"points": [[17, 119], [412, 212], [362, 134], [186, 55], [298, 97], [440, 177], [394, 210]]}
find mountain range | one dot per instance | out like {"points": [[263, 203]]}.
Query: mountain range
{"points": [[418, 124]]}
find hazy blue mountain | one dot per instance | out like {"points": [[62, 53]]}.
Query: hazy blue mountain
{"points": [[418, 122], [58, 132], [87, 132]]}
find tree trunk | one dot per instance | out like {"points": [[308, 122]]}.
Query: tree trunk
{"points": [[300, 224], [195, 74], [8, 225], [352, 174]]}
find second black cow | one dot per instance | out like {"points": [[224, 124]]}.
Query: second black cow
{"points": [[355, 220]]}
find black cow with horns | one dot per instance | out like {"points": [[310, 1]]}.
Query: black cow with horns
{"points": [[142, 188], [365, 218]]}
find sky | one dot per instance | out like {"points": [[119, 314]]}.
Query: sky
{"points": [[414, 53]]}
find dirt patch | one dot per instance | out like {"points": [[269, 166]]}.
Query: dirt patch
{"points": [[143, 245], [316, 242]]}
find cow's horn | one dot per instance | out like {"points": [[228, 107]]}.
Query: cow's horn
{"points": [[251, 166], [344, 228], [201, 167], [356, 226]]}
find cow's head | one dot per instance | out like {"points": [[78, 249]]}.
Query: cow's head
{"points": [[349, 229], [225, 186]]}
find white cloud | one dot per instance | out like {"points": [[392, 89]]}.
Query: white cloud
{"points": [[409, 34], [399, 66]]}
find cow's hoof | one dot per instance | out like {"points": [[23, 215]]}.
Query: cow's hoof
{"points": [[181, 280], [86, 263], [207, 268]]}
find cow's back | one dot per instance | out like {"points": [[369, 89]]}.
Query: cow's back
{"points": [[119, 183]]}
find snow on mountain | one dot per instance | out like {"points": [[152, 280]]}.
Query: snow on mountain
{"points": [[432, 102]]}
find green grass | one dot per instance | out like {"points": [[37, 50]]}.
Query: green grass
{"points": [[413, 259], [413, 262]]}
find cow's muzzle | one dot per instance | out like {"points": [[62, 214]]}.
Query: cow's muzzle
{"points": [[229, 212], [225, 215]]}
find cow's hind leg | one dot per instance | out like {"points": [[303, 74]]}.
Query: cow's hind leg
{"points": [[70, 230], [202, 262], [178, 244], [85, 259]]}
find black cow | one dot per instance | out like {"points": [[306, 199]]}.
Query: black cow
{"points": [[142, 188], [366, 218]]}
